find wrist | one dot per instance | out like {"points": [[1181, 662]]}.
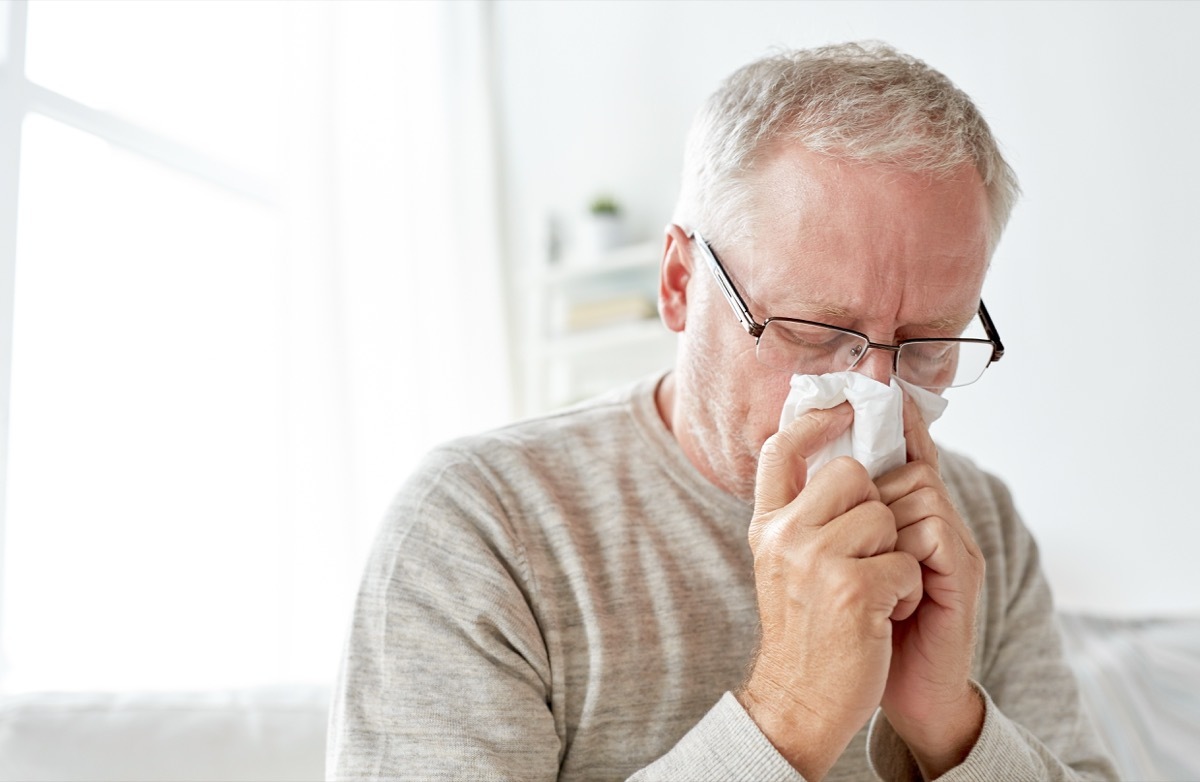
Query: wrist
{"points": [[944, 740], [800, 735]]}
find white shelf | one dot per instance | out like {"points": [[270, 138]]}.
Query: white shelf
{"points": [[633, 257], [563, 366], [631, 334]]}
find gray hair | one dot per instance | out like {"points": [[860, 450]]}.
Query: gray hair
{"points": [[855, 101]]}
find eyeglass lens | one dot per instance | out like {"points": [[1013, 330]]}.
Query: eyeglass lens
{"points": [[809, 349]]}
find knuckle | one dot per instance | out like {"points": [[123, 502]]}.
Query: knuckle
{"points": [[849, 469], [927, 474], [913, 573], [927, 501], [820, 545], [878, 509], [936, 527], [766, 537], [775, 448], [847, 588], [880, 520], [911, 566]]}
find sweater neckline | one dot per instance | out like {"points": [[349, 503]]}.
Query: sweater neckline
{"points": [[670, 455]]}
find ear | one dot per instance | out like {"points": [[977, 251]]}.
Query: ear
{"points": [[673, 278]]}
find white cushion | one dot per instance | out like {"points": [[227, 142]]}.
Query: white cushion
{"points": [[264, 734], [1140, 682]]}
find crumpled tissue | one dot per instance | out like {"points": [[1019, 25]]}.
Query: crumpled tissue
{"points": [[876, 436]]}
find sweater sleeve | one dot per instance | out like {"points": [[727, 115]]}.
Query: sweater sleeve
{"points": [[725, 746], [1034, 726], [444, 674]]}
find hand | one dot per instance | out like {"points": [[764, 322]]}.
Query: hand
{"points": [[829, 585], [929, 699]]}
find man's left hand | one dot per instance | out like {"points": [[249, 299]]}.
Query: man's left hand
{"points": [[929, 699]]}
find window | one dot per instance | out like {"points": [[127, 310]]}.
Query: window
{"points": [[146, 439], [212, 394]]}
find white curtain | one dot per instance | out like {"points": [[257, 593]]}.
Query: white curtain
{"points": [[398, 225], [199, 520]]}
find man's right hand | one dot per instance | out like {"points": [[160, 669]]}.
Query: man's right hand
{"points": [[828, 583]]}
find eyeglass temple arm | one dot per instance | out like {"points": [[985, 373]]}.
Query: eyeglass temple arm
{"points": [[736, 302], [990, 329]]}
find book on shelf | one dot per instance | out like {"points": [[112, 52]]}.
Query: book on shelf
{"points": [[610, 311]]}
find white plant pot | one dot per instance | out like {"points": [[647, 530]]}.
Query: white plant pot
{"points": [[604, 233]]}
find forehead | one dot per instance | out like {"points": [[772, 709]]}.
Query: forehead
{"points": [[864, 241]]}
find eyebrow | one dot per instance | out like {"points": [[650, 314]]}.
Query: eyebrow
{"points": [[816, 310], [950, 322]]}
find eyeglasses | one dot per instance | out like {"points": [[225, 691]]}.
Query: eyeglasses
{"points": [[806, 347]]}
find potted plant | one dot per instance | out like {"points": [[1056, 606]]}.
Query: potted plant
{"points": [[605, 224]]}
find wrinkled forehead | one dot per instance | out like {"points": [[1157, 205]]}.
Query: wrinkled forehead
{"points": [[839, 235]]}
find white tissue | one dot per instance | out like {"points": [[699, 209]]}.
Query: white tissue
{"points": [[876, 436]]}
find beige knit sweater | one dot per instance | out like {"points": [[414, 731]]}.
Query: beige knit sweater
{"points": [[568, 599]]}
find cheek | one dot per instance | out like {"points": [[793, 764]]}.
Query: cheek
{"points": [[746, 395], [765, 403]]}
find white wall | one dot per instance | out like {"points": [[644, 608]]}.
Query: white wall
{"points": [[1090, 416]]}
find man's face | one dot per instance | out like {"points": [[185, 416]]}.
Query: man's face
{"points": [[891, 254]]}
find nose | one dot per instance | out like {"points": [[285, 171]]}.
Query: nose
{"points": [[877, 365]]}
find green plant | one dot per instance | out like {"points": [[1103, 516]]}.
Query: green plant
{"points": [[604, 205]]}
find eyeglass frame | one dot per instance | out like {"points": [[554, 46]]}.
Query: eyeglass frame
{"points": [[756, 329]]}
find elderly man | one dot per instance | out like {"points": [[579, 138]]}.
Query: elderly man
{"points": [[654, 585]]}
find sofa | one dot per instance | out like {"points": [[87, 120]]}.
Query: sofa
{"points": [[1139, 678]]}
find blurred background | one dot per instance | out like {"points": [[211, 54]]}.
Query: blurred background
{"points": [[257, 257]]}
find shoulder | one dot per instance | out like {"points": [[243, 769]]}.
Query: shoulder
{"points": [[545, 445], [972, 486], [988, 508], [485, 478], [480, 502]]}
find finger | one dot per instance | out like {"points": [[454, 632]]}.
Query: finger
{"points": [[898, 575], [907, 606], [782, 463], [934, 543], [919, 445], [905, 480], [915, 492], [836, 488], [920, 504], [865, 530]]}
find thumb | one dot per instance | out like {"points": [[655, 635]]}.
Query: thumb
{"points": [[918, 444], [783, 461]]}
